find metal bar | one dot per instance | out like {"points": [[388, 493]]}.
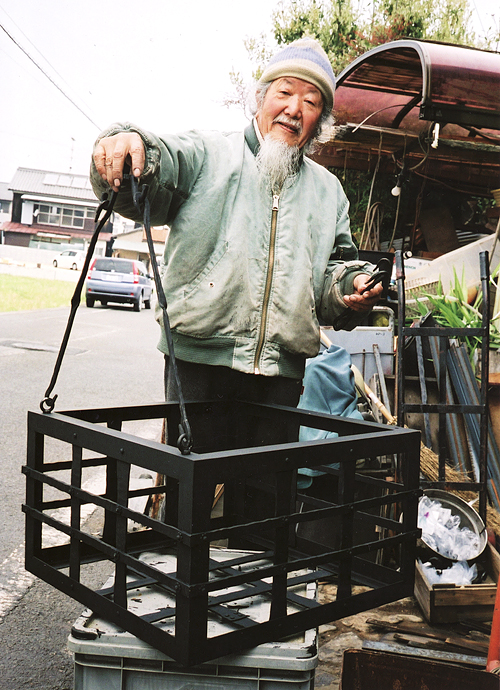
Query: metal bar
{"points": [[195, 504], [305, 620], [443, 399], [400, 374], [234, 463], [438, 331], [445, 357], [452, 486], [324, 510], [423, 392], [346, 495], [34, 493], [485, 370], [284, 491], [107, 552], [458, 373], [410, 470], [76, 481], [469, 390], [109, 529], [458, 452], [443, 408], [380, 371], [85, 497], [120, 541]]}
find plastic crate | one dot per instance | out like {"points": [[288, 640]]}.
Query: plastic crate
{"points": [[106, 656], [360, 341]]}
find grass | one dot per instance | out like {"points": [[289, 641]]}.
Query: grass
{"points": [[18, 293]]}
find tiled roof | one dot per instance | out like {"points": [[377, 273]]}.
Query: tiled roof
{"points": [[9, 226], [47, 183]]}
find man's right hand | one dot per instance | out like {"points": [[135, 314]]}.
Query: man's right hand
{"points": [[111, 154]]}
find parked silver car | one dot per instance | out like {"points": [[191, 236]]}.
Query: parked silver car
{"points": [[125, 281]]}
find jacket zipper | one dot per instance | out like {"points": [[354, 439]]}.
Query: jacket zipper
{"points": [[269, 280]]}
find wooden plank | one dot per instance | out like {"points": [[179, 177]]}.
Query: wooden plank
{"points": [[464, 595], [422, 592]]}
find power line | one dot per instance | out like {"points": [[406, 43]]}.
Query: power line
{"points": [[38, 51], [49, 77], [478, 16]]}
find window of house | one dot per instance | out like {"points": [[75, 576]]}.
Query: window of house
{"points": [[64, 216]]}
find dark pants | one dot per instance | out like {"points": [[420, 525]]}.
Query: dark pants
{"points": [[203, 382], [226, 430]]}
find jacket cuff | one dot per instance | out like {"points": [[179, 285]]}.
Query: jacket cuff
{"points": [[340, 282]]}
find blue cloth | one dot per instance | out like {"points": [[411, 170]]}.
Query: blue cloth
{"points": [[328, 387]]}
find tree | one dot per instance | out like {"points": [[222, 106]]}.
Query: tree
{"points": [[346, 32]]}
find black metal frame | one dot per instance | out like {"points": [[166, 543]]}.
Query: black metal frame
{"points": [[445, 408], [200, 587]]}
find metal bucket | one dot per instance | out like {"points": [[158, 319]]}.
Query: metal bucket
{"points": [[468, 518]]}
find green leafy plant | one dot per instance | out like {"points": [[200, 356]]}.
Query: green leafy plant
{"points": [[452, 310]]}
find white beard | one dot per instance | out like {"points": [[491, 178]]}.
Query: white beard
{"points": [[276, 160]]}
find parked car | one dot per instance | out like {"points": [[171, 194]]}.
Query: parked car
{"points": [[125, 281], [71, 258]]}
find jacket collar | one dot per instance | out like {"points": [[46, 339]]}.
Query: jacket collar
{"points": [[251, 139]]}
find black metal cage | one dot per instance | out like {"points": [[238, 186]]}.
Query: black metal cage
{"points": [[370, 555]]}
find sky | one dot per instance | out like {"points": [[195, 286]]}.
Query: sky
{"points": [[161, 64]]}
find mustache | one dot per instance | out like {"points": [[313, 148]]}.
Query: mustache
{"points": [[289, 122]]}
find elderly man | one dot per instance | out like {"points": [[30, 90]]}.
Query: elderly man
{"points": [[259, 249]]}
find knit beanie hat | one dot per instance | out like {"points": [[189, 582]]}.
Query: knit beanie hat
{"points": [[304, 59]]}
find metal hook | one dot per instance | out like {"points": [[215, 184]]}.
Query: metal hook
{"points": [[185, 440], [48, 404]]}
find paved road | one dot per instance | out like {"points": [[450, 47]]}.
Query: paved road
{"points": [[111, 360]]}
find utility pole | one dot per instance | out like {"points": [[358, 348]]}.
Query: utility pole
{"points": [[72, 153]]}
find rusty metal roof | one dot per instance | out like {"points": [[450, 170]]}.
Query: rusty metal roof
{"points": [[389, 101], [65, 186]]}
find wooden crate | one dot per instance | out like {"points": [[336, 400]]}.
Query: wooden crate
{"points": [[447, 603], [367, 668]]}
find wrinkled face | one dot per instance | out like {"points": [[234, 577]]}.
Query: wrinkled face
{"points": [[290, 111]]}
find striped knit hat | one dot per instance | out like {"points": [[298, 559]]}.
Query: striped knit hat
{"points": [[304, 59]]}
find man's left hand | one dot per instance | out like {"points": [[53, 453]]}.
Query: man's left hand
{"points": [[365, 301]]}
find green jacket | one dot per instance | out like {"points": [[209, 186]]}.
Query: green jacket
{"points": [[246, 275]]}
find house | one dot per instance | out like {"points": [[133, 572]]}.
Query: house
{"points": [[132, 244], [52, 210], [56, 211], [5, 203]]}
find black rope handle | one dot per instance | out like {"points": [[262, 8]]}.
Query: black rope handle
{"points": [[106, 206], [141, 202]]}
